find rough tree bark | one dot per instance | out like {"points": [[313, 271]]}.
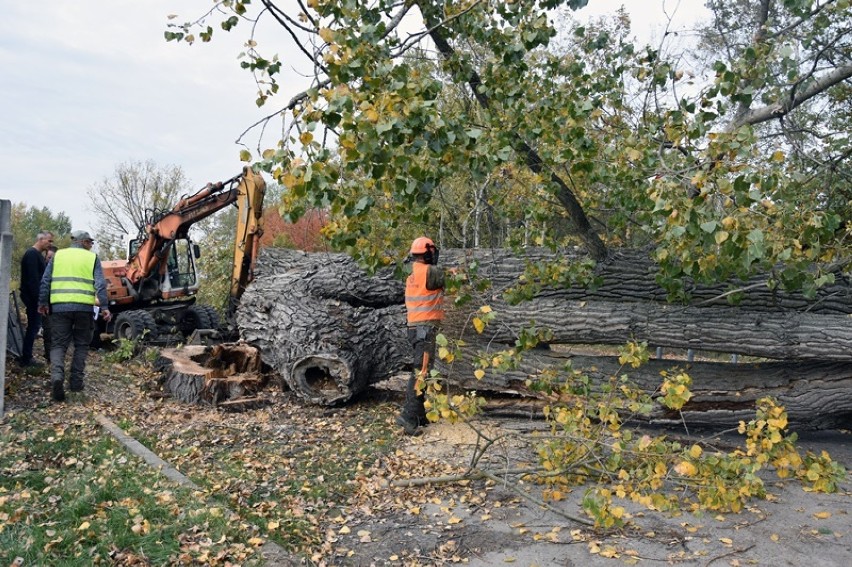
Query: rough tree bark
{"points": [[630, 276], [330, 330], [323, 324]]}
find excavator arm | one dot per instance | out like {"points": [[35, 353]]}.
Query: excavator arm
{"points": [[248, 232], [247, 190]]}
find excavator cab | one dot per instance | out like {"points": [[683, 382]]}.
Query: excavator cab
{"points": [[180, 278]]}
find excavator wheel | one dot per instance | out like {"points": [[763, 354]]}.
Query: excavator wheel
{"points": [[132, 325], [196, 317], [212, 315]]}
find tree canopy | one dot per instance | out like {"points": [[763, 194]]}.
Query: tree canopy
{"points": [[429, 116], [26, 223]]}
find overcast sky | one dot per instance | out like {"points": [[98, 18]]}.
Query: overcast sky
{"points": [[89, 85]]}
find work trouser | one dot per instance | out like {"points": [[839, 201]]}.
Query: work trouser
{"points": [[68, 328], [46, 336], [422, 339], [33, 325]]}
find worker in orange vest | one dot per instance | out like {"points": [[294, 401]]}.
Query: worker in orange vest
{"points": [[424, 294]]}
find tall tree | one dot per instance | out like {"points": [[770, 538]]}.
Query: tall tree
{"points": [[125, 201], [27, 222], [380, 135]]}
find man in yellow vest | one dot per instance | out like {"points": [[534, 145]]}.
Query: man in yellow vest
{"points": [[424, 293], [72, 284]]}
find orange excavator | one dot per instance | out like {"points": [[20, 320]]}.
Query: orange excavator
{"points": [[152, 294]]}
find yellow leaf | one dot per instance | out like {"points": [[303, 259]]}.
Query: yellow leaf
{"points": [[695, 451], [344, 530], [414, 510], [83, 526], [485, 309], [478, 324], [822, 515], [272, 525], [721, 236], [685, 468], [774, 537], [443, 353], [454, 520], [594, 548], [727, 541], [256, 541], [609, 551], [306, 138], [479, 373]]}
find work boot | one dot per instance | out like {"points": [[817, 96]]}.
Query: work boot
{"points": [[409, 427], [58, 391], [76, 385]]}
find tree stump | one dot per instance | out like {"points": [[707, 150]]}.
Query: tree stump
{"points": [[224, 374]]}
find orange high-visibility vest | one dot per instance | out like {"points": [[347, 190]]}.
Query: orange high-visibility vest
{"points": [[423, 305]]}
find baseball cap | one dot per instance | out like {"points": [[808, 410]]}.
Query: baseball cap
{"points": [[81, 235]]}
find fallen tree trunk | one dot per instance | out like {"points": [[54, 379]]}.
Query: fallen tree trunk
{"points": [[787, 335], [330, 330], [630, 276]]}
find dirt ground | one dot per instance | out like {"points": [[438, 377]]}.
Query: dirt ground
{"points": [[481, 524], [794, 528], [791, 528]]}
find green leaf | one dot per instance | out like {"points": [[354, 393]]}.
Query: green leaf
{"points": [[709, 226]]}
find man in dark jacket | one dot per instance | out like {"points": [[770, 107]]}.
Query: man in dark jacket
{"points": [[33, 264], [73, 281]]}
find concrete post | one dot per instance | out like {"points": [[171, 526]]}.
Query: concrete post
{"points": [[5, 282]]}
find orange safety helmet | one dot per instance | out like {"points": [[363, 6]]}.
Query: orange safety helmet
{"points": [[422, 245]]}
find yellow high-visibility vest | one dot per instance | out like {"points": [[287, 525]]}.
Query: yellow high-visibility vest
{"points": [[73, 277]]}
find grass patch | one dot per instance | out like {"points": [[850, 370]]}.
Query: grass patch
{"points": [[284, 481], [70, 495]]}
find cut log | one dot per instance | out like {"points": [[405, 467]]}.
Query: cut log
{"points": [[198, 374], [630, 276], [815, 394], [322, 323]]}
